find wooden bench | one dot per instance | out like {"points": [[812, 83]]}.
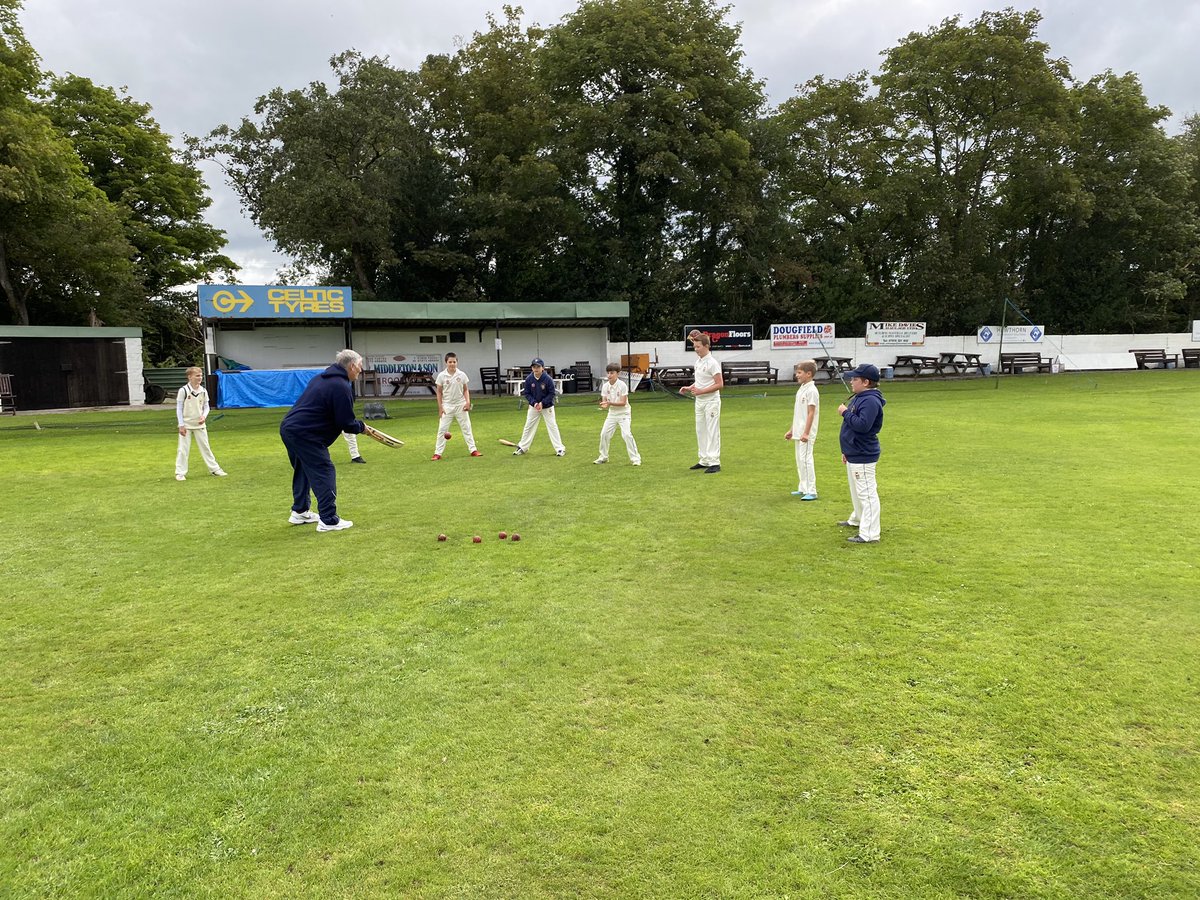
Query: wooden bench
{"points": [[1149, 359], [1191, 357], [8, 400], [409, 380], [1016, 363], [749, 372]]}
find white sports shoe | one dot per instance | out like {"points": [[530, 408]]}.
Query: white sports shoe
{"points": [[562, 452], [305, 518], [341, 525], [518, 452], [220, 473], [601, 461], [637, 462], [181, 478]]}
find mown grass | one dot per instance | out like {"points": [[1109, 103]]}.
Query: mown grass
{"points": [[676, 684]]}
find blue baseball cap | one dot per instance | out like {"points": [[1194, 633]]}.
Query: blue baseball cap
{"points": [[865, 370], [538, 362]]}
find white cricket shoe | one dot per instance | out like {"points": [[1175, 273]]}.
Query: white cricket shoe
{"points": [[340, 526], [305, 518], [220, 473], [601, 461]]}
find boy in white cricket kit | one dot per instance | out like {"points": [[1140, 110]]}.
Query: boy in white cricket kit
{"points": [[454, 402], [191, 410], [706, 389], [614, 396], [805, 416]]}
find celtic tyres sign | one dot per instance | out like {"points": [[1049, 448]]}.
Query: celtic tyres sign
{"points": [[274, 301]]}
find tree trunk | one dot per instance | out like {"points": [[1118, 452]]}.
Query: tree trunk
{"points": [[15, 301]]}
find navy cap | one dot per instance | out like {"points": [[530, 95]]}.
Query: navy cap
{"points": [[538, 362], [865, 370]]}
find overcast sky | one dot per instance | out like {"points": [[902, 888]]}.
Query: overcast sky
{"points": [[200, 65]]}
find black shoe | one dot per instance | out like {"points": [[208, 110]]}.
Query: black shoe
{"points": [[699, 466], [358, 459], [711, 469]]}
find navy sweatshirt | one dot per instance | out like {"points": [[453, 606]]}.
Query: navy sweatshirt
{"points": [[324, 410], [859, 436], [538, 390]]}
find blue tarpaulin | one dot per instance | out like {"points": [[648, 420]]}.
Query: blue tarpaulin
{"points": [[262, 387]]}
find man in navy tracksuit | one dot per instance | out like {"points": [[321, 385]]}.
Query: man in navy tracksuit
{"points": [[538, 391], [324, 411], [862, 418]]}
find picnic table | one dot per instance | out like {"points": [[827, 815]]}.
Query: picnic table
{"points": [[960, 363], [408, 380], [918, 364], [833, 367], [673, 376]]}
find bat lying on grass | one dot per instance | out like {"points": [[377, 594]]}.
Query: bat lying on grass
{"points": [[386, 439], [507, 443]]}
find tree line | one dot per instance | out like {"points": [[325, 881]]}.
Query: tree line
{"points": [[629, 153]]}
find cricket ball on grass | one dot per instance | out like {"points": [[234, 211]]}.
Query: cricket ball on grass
{"points": [[447, 435], [477, 540], [516, 537], [441, 537], [504, 535]]}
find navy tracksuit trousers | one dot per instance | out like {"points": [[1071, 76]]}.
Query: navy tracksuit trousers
{"points": [[312, 470]]}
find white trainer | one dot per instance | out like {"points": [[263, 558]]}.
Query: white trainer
{"points": [[562, 452], [601, 461], [305, 518], [220, 473], [340, 526], [181, 478]]}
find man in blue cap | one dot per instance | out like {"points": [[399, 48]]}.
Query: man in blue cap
{"points": [[862, 418], [538, 391]]}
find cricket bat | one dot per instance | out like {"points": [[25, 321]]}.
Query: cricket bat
{"points": [[507, 443], [386, 439]]}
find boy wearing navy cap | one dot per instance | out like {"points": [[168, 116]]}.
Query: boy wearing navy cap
{"points": [[862, 419], [538, 391]]}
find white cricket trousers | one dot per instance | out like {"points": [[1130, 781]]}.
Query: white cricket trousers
{"points": [[456, 412], [352, 443], [708, 429], [531, 423], [185, 447], [865, 496], [625, 423], [804, 467]]}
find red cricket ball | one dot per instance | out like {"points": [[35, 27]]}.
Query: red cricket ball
{"points": [[441, 537], [477, 540], [504, 535], [516, 537], [446, 435]]}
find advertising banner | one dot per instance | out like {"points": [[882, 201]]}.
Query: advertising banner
{"points": [[789, 337], [389, 369], [723, 337], [895, 334], [267, 301], [1013, 334], [1196, 330]]}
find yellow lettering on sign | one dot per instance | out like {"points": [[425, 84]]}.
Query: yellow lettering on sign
{"points": [[307, 300]]}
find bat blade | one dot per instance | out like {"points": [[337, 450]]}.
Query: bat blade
{"points": [[507, 443], [386, 439]]}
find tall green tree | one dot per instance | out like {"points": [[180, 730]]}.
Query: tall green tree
{"points": [[63, 255], [975, 108], [492, 116], [1124, 264], [654, 112], [348, 179]]}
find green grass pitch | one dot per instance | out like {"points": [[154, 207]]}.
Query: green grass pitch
{"points": [[676, 685]]}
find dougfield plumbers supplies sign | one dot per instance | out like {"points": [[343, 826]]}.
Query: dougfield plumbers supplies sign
{"points": [[274, 301], [799, 337], [895, 334]]}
